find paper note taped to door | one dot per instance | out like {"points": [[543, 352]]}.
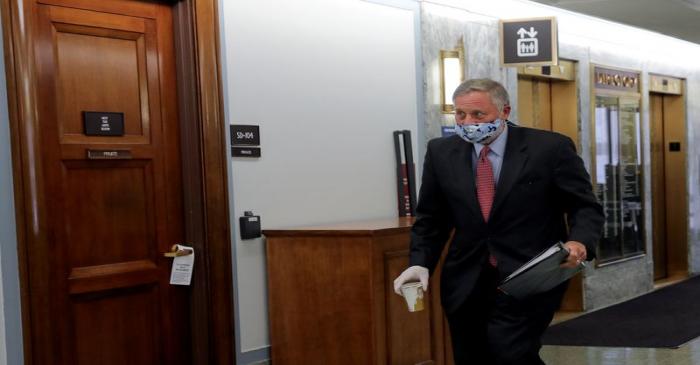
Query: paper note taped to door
{"points": [[181, 273]]}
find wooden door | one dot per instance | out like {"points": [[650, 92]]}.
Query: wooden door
{"points": [[99, 284]]}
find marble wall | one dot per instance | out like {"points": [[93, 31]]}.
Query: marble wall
{"points": [[443, 27]]}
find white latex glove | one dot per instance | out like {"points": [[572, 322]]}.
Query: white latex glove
{"points": [[413, 273]]}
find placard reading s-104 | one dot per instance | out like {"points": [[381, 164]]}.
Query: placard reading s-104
{"points": [[103, 123], [245, 135]]}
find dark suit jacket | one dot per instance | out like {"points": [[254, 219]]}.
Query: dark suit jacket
{"points": [[541, 179]]}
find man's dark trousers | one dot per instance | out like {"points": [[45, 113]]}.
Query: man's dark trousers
{"points": [[491, 328]]}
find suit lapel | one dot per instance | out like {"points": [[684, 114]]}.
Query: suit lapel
{"points": [[463, 173], [514, 160]]}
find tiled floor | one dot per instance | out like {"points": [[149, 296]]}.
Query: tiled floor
{"points": [[688, 354]]}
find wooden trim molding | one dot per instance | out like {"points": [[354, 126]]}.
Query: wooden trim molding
{"points": [[206, 201], [20, 94], [204, 166]]}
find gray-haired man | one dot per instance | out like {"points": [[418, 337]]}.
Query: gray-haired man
{"points": [[508, 193]]}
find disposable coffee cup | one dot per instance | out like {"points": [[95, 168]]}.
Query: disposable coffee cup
{"points": [[413, 294]]}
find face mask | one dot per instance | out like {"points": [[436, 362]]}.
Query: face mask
{"points": [[478, 132]]}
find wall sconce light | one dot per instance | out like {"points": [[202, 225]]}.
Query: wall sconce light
{"points": [[451, 75]]}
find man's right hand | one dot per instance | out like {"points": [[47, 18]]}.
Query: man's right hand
{"points": [[413, 273]]}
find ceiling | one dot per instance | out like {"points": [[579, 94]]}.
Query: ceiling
{"points": [[675, 18]]}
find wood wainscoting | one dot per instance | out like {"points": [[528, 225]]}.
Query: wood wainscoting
{"points": [[332, 299]]}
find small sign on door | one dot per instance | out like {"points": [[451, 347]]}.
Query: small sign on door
{"points": [[529, 41], [103, 123], [183, 264]]}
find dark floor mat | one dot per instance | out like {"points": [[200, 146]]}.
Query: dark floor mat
{"points": [[668, 317]]}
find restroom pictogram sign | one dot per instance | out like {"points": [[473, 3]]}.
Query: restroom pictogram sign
{"points": [[529, 41]]}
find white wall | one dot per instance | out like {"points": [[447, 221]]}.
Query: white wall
{"points": [[327, 81]]}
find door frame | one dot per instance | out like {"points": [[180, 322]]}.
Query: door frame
{"points": [[204, 167]]}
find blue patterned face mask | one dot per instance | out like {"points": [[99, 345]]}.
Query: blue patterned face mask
{"points": [[478, 132]]}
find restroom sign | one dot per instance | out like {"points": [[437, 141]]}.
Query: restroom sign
{"points": [[529, 41]]}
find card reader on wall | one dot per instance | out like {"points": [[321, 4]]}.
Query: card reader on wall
{"points": [[250, 225]]}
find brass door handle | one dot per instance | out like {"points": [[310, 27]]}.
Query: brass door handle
{"points": [[174, 252]]}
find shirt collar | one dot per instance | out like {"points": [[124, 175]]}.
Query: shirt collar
{"points": [[498, 146]]}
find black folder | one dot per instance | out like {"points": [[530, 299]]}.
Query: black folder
{"points": [[540, 274]]}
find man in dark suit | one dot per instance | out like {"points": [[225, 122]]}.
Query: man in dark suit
{"points": [[508, 193]]}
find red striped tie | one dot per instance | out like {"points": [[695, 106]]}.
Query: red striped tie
{"points": [[485, 188]]}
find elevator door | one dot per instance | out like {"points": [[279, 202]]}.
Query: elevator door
{"points": [[668, 180], [552, 105], [112, 195], [548, 104], [534, 103]]}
